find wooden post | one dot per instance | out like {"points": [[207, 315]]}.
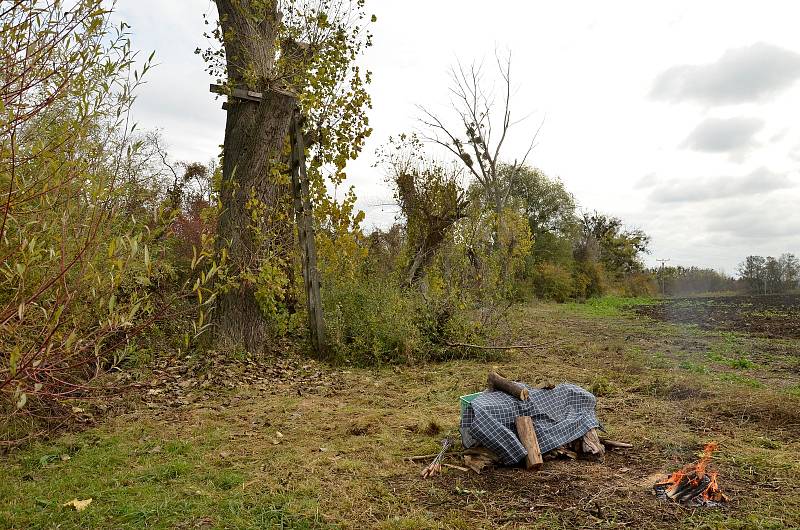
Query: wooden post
{"points": [[527, 435], [305, 235]]}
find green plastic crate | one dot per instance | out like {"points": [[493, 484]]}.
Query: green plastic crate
{"points": [[466, 400]]}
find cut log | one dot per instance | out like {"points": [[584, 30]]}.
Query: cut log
{"points": [[527, 435], [590, 444], [498, 382]]}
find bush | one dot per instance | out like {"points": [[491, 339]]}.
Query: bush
{"points": [[589, 279], [371, 322], [639, 284], [84, 226], [553, 282]]}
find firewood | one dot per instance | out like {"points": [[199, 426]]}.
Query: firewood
{"points": [[679, 488], [527, 435], [613, 444], [498, 382], [483, 452], [691, 493], [590, 444], [478, 457], [563, 450]]}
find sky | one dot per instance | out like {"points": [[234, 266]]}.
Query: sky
{"points": [[678, 117]]}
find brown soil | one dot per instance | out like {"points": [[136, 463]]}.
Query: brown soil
{"points": [[773, 316]]}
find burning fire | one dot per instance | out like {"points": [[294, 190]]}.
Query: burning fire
{"points": [[693, 484]]}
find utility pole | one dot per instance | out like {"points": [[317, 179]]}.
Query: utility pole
{"points": [[661, 274]]}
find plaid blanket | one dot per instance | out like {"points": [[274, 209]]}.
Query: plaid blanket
{"points": [[560, 415]]}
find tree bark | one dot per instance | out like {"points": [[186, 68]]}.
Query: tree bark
{"points": [[255, 136]]}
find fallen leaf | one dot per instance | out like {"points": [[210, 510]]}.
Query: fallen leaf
{"points": [[77, 410], [278, 434], [78, 505]]}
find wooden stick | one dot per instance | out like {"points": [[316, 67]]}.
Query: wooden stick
{"points": [[426, 457], [527, 435], [510, 347], [498, 382], [436, 465], [615, 444]]}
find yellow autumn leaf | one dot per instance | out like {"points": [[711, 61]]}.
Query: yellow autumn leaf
{"points": [[78, 505]]}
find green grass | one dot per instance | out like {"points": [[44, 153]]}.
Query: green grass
{"points": [[136, 481], [737, 379], [666, 388], [694, 367], [609, 305]]}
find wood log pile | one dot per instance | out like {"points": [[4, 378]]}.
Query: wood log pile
{"points": [[590, 445]]}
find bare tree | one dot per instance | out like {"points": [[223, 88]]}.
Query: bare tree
{"points": [[478, 138]]}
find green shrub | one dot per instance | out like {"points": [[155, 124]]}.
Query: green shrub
{"points": [[370, 322], [553, 282], [589, 279], [639, 284]]}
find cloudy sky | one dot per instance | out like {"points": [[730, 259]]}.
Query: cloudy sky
{"points": [[680, 117]]}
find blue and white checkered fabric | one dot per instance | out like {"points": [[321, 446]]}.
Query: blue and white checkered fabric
{"points": [[560, 415]]}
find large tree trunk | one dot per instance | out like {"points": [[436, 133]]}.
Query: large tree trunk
{"points": [[255, 136]]}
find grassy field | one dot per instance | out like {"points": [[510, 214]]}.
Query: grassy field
{"points": [[301, 445]]}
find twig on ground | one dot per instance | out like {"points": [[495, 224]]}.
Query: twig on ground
{"points": [[436, 466], [510, 347], [425, 457], [615, 444]]}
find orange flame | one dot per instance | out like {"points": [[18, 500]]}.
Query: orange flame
{"points": [[708, 450], [695, 473]]}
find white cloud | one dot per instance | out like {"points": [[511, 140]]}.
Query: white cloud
{"points": [[719, 135], [741, 75], [757, 182]]}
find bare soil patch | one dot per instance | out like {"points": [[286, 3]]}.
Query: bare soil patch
{"points": [[773, 316]]}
